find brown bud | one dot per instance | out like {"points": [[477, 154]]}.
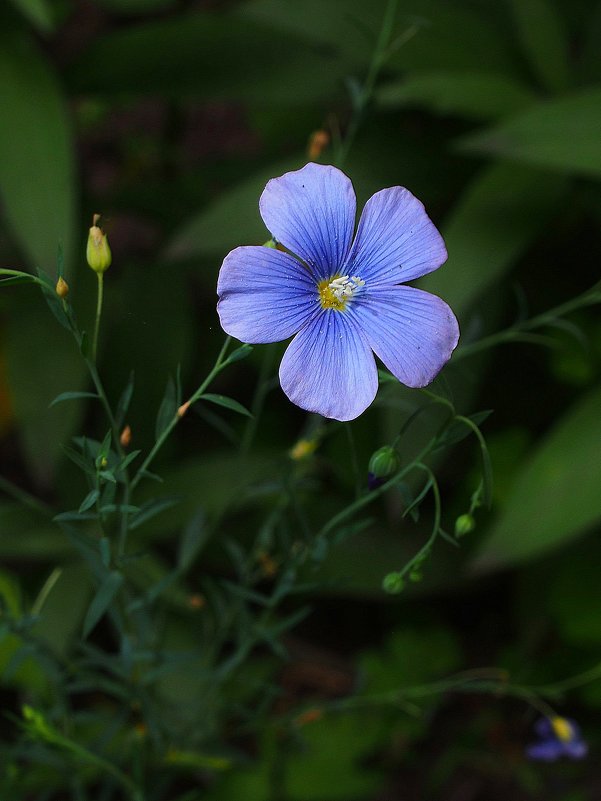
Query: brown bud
{"points": [[125, 437], [318, 141], [183, 409], [62, 288]]}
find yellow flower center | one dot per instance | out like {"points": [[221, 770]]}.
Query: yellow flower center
{"points": [[562, 729], [335, 293]]}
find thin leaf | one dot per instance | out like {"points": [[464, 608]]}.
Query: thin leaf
{"points": [[149, 510], [228, 403], [89, 500], [193, 540], [102, 600], [73, 396], [168, 408]]}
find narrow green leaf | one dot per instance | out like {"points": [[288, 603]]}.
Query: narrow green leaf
{"points": [[124, 401], [562, 134], [228, 403], [168, 408], [555, 496], [149, 510], [89, 500], [240, 353], [127, 461], [72, 396], [193, 540], [102, 600]]}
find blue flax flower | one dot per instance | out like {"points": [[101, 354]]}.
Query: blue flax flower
{"points": [[557, 737], [342, 298]]}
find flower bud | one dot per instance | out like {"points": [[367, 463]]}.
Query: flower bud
{"points": [[393, 583], [98, 252], [318, 141], [383, 464], [303, 448], [464, 524], [125, 438], [62, 288]]}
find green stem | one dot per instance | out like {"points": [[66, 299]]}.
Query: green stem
{"points": [[98, 315], [219, 365], [370, 497], [378, 59], [522, 330]]}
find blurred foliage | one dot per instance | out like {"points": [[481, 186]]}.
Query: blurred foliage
{"points": [[229, 653]]}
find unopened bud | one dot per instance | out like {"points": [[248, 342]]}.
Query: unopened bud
{"points": [[183, 409], [393, 583], [309, 716], [303, 448], [62, 288], [98, 252], [197, 601], [318, 141], [125, 437], [384, 463], [464, 524]]}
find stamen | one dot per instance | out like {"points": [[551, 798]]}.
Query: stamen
{"points": [[335, 293]]}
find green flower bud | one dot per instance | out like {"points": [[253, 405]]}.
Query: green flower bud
{"points": [[464, 524], [98, 252], [384, 463], [393, 583]]}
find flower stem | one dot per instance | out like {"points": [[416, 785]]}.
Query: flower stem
{"points": [[219, 365], [377, 61], [100, 276]]}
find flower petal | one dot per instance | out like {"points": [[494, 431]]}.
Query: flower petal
{"points": [[264, 295], [312, 213], [329, 368], [411, 331], [396, 240]]}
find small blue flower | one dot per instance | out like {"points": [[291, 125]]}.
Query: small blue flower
{"points": [[342, 298], [558, 737]]}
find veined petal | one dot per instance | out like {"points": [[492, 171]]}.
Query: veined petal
{"points": [[264, 295], [329, 368], [312, 213], [411, 331], [396, 241]]}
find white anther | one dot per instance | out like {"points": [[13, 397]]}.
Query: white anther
{"points": [[345, 286]]}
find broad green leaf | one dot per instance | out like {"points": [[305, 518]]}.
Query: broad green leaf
{"points": [[556, 494], [475, 95], [102, 600], [562, 134], [178, 56], [37, 170], [41, 359], [227, 403], [38, 12], [500, 214], [232, 219], [544, 40], [433, 34]]}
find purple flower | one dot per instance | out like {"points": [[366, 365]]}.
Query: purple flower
{"points": [[342, 298], [557, 737]]}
